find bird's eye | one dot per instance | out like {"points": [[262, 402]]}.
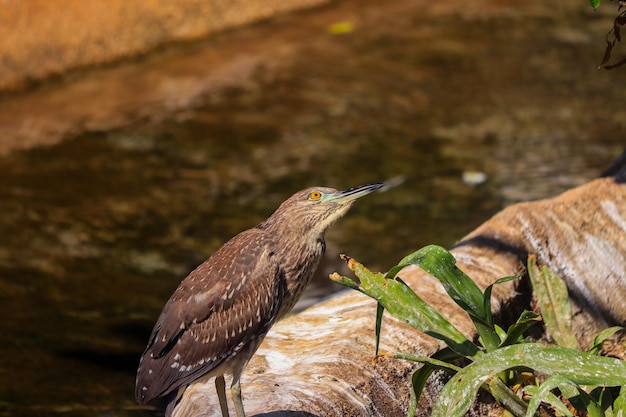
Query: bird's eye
{"points": [[315, 195]]}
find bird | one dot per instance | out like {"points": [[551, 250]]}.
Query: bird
{"points": [[218, 316]]}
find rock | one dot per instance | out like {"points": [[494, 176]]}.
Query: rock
{"points": [[38, 39]]}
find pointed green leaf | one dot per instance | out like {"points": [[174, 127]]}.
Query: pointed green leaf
{"points": [[401, 302], [433, 361], [440, 263], [515, 332], [601, 337], [501, 333], [594, 3], [553, 299], [539, 394], [345, 281], [487, 335], [586, 403], [487, 298], [602, 400], [439, 360], [543, 393], [486, 328], [379, 321], [418, 381], [619, 405]]}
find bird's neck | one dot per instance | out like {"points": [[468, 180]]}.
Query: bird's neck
{"points": [[299, 255], [298, 259]]}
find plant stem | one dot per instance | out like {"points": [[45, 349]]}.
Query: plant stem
{"points": [[506, 397]]}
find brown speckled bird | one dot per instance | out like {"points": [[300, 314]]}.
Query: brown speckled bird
{"points": [[218, 316]]}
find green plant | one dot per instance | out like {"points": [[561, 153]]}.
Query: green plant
{"points": [[499, 357], [613, 36]]}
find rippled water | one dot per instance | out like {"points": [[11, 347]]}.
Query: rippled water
{"points": [[98, 229]]}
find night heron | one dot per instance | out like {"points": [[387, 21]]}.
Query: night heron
{"points": [[218, 315]]}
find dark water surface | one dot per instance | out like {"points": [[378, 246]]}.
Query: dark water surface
{"points": [[98, 229]]}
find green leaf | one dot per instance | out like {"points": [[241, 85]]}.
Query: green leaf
{"points": [[440, 263], [586, 403], [515, 332], [505, 396], [442, 360], [345, 281], [418, 381], [602, 399], [487, 334], [619, 405], [439, 360], [543, 394], [501, 333], [594, 3], [601, 337], [379, 321], [486, 328], [487, 298], [553, 300], [434, 361], [401, 302], [581, 368]]}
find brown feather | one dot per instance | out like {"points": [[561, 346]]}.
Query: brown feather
{"points": [[201, 321]]}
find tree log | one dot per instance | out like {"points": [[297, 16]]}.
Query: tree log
{"points": [[321, 361]]}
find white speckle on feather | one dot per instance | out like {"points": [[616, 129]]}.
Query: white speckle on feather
{"points": [[200, 297], [611, 210]]}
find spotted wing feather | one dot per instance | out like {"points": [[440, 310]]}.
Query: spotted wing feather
{"points": [[228, 302]]}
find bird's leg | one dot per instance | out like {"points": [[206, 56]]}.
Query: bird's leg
{"points": [[235, 390], [220, 386]]}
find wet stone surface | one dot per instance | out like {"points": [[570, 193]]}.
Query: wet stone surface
{"points": [[134, 189]]}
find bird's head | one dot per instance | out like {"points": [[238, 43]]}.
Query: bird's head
{"points": [[314, 209]]}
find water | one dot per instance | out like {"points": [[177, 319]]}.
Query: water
{"points": [[99, 228]]}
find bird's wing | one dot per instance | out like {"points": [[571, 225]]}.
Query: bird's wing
{"points": [[226, 303]]}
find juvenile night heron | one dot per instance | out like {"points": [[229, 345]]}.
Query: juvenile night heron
{"points": [[218, 316]]}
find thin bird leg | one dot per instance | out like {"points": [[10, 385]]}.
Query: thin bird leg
{"points": [[220, 386], [235, 390]]}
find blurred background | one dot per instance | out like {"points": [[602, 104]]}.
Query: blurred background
{"points": [[137, 137]]}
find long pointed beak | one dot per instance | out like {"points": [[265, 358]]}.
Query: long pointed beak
{"points": [[351, 194]]}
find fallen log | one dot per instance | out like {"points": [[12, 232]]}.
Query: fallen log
{"points": [[321, 361]]}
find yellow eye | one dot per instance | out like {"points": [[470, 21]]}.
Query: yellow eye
{"points": [[315, 195]]}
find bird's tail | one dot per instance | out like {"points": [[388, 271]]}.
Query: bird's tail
{"points": [[617, 170]]}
